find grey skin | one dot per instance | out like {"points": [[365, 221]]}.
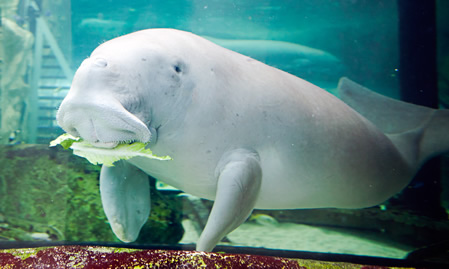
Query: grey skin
{"points": [[241, 133]]}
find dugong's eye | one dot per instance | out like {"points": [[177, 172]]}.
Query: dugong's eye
{"points": [[177, 68]]}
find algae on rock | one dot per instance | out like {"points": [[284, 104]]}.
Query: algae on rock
{"points": [[50, 191]]}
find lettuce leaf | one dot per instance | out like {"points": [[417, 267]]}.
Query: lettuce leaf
{"points": [[105, 156], [65, 140]]}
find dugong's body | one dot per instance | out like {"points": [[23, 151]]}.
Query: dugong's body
{"points": [[240, 132]]}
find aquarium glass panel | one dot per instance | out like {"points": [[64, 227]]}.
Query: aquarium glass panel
{"points": [[286, 113]]}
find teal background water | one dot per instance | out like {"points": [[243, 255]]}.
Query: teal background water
{"points": [[331, 39], [361, 34]]}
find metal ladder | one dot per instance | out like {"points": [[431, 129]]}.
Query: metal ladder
{"points": [[1, 52], [50, 81]]}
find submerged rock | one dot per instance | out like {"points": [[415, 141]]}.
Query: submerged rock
{"points": [[106, 257]]}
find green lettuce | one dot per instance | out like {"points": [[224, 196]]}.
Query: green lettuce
{"points": [[105, 156]]}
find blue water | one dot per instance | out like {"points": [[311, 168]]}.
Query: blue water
{"points": [[362, 35]]}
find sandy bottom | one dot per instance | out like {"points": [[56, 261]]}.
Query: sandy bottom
{"points": [[291, 236]]}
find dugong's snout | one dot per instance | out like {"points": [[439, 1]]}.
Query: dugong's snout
{"points": [[103, 122]]}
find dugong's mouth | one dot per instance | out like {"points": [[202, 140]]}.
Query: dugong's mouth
{"points": [[109, 134], [107, 145], [103, 126]]}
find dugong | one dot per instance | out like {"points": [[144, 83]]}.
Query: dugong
{"points": [[240, 132]]}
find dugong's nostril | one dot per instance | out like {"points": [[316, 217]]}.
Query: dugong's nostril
{"points": [[100, 62], [73, 132]]}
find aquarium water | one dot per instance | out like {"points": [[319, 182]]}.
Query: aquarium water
{"points": [[50, 196]]}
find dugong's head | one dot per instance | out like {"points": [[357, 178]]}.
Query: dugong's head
{"points": [[126, 90]]}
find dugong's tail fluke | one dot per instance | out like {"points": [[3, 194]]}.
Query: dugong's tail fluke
{"points": [[435, 138], [418, 132]]}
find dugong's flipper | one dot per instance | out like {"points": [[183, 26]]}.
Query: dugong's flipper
{"points": [[125, 194], [239, 178]]}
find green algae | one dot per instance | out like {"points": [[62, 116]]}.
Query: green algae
{"points": [[23, 253], [46, 191], [49, 191]]}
